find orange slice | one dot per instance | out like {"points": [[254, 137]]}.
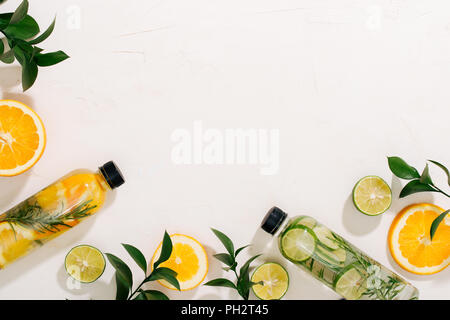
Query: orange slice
{"points": [[22, 138], [188, 260], [409, 239]]}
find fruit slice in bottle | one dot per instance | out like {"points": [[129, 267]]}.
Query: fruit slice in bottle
{"points": [[409, 239], [350, 284], [85, 263], [305, 221], [275, 281], [298, 243], [325, 237], [331, 257], [372, 195]]}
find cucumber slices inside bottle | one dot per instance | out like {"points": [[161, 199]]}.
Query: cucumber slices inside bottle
{"points": [[350, 283]]}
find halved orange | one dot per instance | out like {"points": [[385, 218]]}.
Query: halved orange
{"points": [[409, 239], [188, 260], [22, 138]]}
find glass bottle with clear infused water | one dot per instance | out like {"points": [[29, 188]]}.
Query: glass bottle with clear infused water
{"points": [[334, 261]]}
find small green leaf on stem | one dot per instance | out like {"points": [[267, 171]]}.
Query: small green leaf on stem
{"points": [[227, 243], [154, 295], [122, 269], [123, 289], [20, 12], [425, 177], [2, 47], [4, 20], [401, 169], [45, 34], [29, 74], [25, 29], [166, 250], [50, 59], [221, 282], [7, 57], [164, 274], [443, 168], [436, 223], [224, 258], [240, 249], [137, 256], [416, 186]]}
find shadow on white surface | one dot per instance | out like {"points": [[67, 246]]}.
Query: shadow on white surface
{"points": [[356, 222], [98, 290], [9, 188], [10, 77]]}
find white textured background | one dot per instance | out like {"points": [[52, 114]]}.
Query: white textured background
{"points": [[345, 82]]}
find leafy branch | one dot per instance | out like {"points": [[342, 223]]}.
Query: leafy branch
{"points": [[419, 183], [20, 31], [124, 276], [243, 283]]}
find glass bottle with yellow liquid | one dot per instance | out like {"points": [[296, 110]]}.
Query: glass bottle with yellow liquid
{"points": [[54, 210]]}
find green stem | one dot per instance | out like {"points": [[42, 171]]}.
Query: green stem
{"points": [[441, 191], [135, 291]]}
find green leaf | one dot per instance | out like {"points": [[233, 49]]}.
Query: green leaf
{"points": [[2, 47], [123, 289], [140, 296], [4, 20], [436, 222], [24, 29], [224, 258], [29, 74], [401, 169], [166, 250], [122, 269], [20, 13], [164, 274], [425, 177], [45, 34], [415, 186], [240, 249], [244, 271], [154, 295], [7, 57], [221, 282], [227, 243], [50, 59], [20, 55], [137, 256], [443, 168]]}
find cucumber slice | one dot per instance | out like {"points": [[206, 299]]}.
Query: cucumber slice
{"points": [[307, 222], [333, 258], [350, 284], [325, 237], [298, 243]]}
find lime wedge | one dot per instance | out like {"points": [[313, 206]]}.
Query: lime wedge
{"points": [[372, 195], [85, 263], [275, 281], [350, 284], [298, 243]]}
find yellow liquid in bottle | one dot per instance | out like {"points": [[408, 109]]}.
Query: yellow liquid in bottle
{"points": [[50, 213]]}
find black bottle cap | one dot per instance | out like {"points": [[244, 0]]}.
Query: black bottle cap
{"points": [[273, 220], [112, 174]]}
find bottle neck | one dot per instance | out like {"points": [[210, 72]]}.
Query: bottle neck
{"points": [[102, 181]]}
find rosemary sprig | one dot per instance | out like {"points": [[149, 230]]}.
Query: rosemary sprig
{"points": [[32, 216]]}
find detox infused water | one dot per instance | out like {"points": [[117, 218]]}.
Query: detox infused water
{"points": [[333, 260]]}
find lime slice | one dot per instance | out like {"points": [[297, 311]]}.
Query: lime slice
{"points": [[305, 221], [275, 281], [372, 195], [333, 258], [85, 263], [298, 243], [350, 284], [325, 237]]}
